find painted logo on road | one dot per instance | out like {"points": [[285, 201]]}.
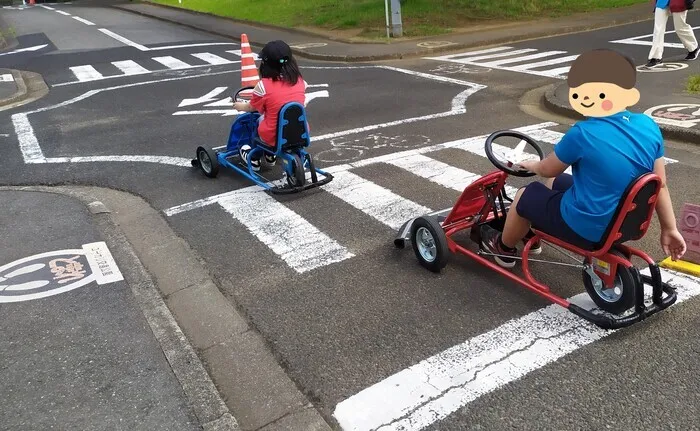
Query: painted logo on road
{"points": [[680, 114], [665, 67], [55, 272]]}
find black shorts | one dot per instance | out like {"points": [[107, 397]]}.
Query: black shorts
{"points": [[541, 206]]}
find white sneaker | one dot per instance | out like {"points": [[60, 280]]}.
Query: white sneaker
{"points": [[244, 151]]}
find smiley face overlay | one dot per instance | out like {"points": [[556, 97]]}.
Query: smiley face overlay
{"points": [[601, 83]]}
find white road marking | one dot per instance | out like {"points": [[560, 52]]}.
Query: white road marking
{"points": [[529, 66], [436, 171], [523, 58], [431, 390], [86, 73], [130, 67], [7, 77], [209, 97], [172, 62], [499, 55], [163, 160], [46, 7], [28, 144], [189, 45], [374, 200], [83, 20], [636, 41], [223, 112], [28, 49], [211, 58], [238, 52], [473, 53], [290, 236], [123, 40], [62, 12]]}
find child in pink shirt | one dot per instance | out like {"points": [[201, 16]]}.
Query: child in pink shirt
{"points": [[280, 83]]}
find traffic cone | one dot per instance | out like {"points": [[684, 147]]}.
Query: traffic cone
{"points": [[249, 72]]}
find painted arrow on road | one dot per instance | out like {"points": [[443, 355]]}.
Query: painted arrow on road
{"points": [[31, 48], [209, 97]]}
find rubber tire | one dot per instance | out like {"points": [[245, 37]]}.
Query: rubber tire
{"points": [[204, 152], [442, 250], [298, 177], [626, 301]]}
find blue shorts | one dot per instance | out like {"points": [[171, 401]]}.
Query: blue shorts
{"points": [[541, 206]]}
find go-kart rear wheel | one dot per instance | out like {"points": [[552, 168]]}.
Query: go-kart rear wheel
{"points": [[297, 176], [617, 299], [429, 243], [208, 162]]}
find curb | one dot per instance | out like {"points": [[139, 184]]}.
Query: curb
{"points": [[21, 92], [228, 372], [391, 56], [552, 103]]}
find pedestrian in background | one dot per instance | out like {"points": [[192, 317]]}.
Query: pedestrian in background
{"points": [[679, 10]]}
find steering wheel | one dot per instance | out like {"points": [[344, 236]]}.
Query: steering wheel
{"points": [[515, 156], [236, 98]]}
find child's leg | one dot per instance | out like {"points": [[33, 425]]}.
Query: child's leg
{"points": [[660, 19]]}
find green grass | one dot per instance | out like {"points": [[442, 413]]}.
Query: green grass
{"points": [[693, 84], [420, 17]]}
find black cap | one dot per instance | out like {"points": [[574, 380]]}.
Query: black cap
{"points": [[276, 53]]}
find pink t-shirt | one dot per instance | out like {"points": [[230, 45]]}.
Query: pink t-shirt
{"points": [[268, 98]]}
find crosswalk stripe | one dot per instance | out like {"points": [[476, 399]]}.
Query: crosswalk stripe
{"points": [[130, 67], [554, 73], [436, 171], [171, 62], [374, 200], [471, 53], [86, 73], [296, 241], [523, 58], [529, 66], [473, 60], [211, 58]]}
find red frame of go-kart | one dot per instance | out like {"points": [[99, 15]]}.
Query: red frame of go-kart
{"points": [[477, 205]]}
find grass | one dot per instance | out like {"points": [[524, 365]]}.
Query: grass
{"points": [[419, 17], [693, 84]]}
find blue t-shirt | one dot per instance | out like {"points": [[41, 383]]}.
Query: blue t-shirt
{"points": [[662, 4], [606, 154]]}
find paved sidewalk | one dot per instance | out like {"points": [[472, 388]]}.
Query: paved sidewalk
{"points": [[319, 47], [78, 349]]}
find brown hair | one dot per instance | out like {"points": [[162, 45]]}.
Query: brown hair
{"points": [[603, 65]]}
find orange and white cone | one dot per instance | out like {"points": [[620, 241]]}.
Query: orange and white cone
{"points": [[249, 72]]}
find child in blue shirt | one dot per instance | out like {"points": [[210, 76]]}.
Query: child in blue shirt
{"points": [[606, 152]]}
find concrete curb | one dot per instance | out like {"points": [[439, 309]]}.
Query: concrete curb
{"points": [[390, 56], [230, 376], [552, 103], [21, 92]]}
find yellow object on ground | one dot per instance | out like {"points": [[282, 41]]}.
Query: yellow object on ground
{"points": [[681, 266]]}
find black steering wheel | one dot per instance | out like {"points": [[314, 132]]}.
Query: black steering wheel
{"points": [[508, 167], [235, 96]]}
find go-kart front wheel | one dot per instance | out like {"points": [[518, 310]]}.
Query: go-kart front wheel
{"points": [[616, 299], [429, 243], [208, 162]]}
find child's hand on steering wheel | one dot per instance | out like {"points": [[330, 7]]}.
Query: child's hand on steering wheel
{"points": [[528, 165], [241, 106]]}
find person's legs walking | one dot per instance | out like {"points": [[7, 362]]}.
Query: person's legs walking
{"points": [[685, 34], [657, 48]]}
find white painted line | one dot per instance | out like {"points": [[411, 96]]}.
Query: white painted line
{"points": [[86, 73], [470, 53], [523, 58], [28, 49], [556, 73], [7, 77], [46, 7], [436, 171], [163, 160], [28, 144], [62, 12], [211, 58], [645, 43], [290, 236], [130, 67], [529, 66], [431, 390], [238, 53], [83, 20], [474, 60], [123, 40], [190, 45], [373, 199], [172, 62]]}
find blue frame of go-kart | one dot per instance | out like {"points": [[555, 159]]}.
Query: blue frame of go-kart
{"points": [[292, 139]]}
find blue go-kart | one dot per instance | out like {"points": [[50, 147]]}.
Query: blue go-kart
{"points": [[292, 139]]}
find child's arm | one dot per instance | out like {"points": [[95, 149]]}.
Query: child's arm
{"points": [[672, 241]]}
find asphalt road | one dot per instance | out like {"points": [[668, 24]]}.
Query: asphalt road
{"points": [[317, 273]]}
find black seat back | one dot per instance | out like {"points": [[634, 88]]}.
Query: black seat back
{"points": [[292, 128]]}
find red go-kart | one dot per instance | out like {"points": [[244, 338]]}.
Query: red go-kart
{"points": [[614, 284]]}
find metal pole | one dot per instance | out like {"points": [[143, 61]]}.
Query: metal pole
{"points": [[396, 26], [386, 10]]}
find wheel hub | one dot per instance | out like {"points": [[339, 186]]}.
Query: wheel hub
{"points": [[426, 244]]}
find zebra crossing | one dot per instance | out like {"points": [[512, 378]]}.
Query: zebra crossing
{"points": [[304, 247], [552, 64], [122, 68]]}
